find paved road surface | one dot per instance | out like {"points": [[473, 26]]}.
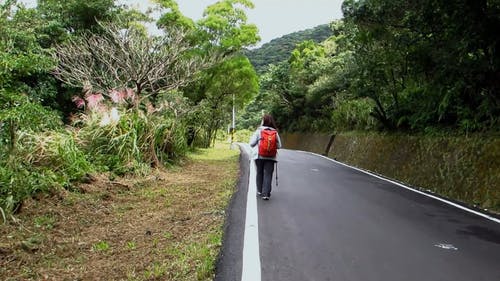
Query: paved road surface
{"points": [[326, 221]]}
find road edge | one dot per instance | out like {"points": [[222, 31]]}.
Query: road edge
{"points": [[229, 262], [448, 201]]}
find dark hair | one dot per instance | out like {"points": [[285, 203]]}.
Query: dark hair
{"points": [[268, 120]]}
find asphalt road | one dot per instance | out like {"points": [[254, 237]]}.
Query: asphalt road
{"points": [[326, 221]]}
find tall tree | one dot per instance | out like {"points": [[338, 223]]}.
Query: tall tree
{"points": [[78, 16], [223, 31], [23, 59], [24, 84], [224, 26], [233, 83], [435, 61], [120, 59], [299, 103]]}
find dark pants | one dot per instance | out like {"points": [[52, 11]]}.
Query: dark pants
{"points": [[265, 169]]}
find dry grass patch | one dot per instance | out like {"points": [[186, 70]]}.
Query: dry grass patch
{"points": [[166, 226]]}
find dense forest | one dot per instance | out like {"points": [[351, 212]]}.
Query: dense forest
{"points": [[423, 67], [85, 89]]}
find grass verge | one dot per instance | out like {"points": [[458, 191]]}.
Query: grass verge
{"points": [[166, 226]]}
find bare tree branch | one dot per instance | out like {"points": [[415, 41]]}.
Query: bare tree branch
{"points": [[126, 58]]}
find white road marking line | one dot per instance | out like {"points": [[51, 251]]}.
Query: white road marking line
{"points": [[412, 189], [446, 246], [251, 256]]}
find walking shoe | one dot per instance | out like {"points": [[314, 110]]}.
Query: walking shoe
{"points": [[259, 193], [265, 197]]}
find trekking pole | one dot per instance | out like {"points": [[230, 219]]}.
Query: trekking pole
{"points": [[276, 173]]}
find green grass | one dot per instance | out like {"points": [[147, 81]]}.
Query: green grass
{"points": [[220, 152], [101, 246], [45, 222]]}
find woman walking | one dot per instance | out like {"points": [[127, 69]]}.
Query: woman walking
{"points": [[266, 140]]}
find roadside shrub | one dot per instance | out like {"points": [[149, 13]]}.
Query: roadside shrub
{"points": [[242, 135], [353, 115], [36, 154], [131, 138], [18, 113], [57, 151], [199, 136], [19, 181], [41, 162]]}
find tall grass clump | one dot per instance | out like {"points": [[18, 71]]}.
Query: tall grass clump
{"points": [[58, 151], [135, 139], [37, 154], [42, 162], [129, 140]]}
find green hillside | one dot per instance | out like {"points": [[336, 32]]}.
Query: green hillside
{"points": [[278, 50]]}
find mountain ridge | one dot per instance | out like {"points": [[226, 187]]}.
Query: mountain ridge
{"points": [[279, 49]]}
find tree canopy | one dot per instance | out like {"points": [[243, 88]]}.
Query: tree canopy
{"points": [[395, 65]]}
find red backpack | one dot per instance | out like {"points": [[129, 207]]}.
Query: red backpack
{"points": [[268, 144]]}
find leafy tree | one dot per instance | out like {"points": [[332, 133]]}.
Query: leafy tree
{"points": [[224, 26], [287, 102], [232, 83], [251, 116], [299, 103], [222, 31], [23, 62], [173, 17], [78, 16], [421, 65], [23, 81], [422, 68]]}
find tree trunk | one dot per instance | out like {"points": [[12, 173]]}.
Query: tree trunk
{"points": [[381, 116]]}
